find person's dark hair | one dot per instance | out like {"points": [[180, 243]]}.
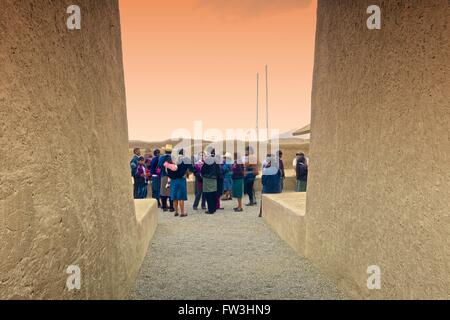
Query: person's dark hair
{"points": [[280, 153], [302, 159], [135, 150], [181, 152], [236, 156], [141, 159], [156, 152]]}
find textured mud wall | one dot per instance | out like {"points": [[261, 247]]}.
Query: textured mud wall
{"points": [[379, 192], [62, 201]]}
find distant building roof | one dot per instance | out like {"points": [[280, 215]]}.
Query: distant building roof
{"points": [[302, 131]]}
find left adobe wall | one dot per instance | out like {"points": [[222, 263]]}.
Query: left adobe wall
{"points": [[65, 189]]}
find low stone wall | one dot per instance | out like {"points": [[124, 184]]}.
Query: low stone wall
{"points": [[147, 222], [285, 214]]}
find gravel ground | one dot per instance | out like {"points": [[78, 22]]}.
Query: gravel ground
{"points": [[225, 256]]}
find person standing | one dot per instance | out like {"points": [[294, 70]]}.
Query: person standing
{"points": [[155, 173], [227, 177], [220, 182], [178, 182], [133, 167], [165, 184], [238, 182], [294, 162], [250, 174], [281, 167], [210, 172], [301, 171], [271, 176], [140, 179], [199, 183]]}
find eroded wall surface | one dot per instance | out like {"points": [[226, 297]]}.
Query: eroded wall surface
{"points": [[379, 190], [65, 187]]}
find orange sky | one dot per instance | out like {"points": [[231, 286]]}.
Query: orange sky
{"points": [[188, 60]]}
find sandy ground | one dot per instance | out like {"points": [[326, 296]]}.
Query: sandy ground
{"points": [[225, 256]]}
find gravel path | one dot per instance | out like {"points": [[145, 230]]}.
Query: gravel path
{"points": [[225, 256]]}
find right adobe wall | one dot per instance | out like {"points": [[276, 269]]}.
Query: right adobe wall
{"points": [[379, 188]]}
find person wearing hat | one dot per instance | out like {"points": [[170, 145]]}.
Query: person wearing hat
{"points": [[165, 182], [227, 176]]}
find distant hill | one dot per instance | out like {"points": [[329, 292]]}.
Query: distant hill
{"points": [[150, 145]]}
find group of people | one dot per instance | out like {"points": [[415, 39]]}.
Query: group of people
{"points": [[217, 178]]}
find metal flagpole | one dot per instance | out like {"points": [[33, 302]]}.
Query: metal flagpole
{"points": [[267, 102], [257, 131], [257, 107]]}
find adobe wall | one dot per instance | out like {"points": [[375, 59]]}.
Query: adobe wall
{"points": [[62, 201], [379, 190]]}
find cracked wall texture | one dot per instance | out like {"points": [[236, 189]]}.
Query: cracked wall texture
{"points": [[65, 189], [379, 191]]}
